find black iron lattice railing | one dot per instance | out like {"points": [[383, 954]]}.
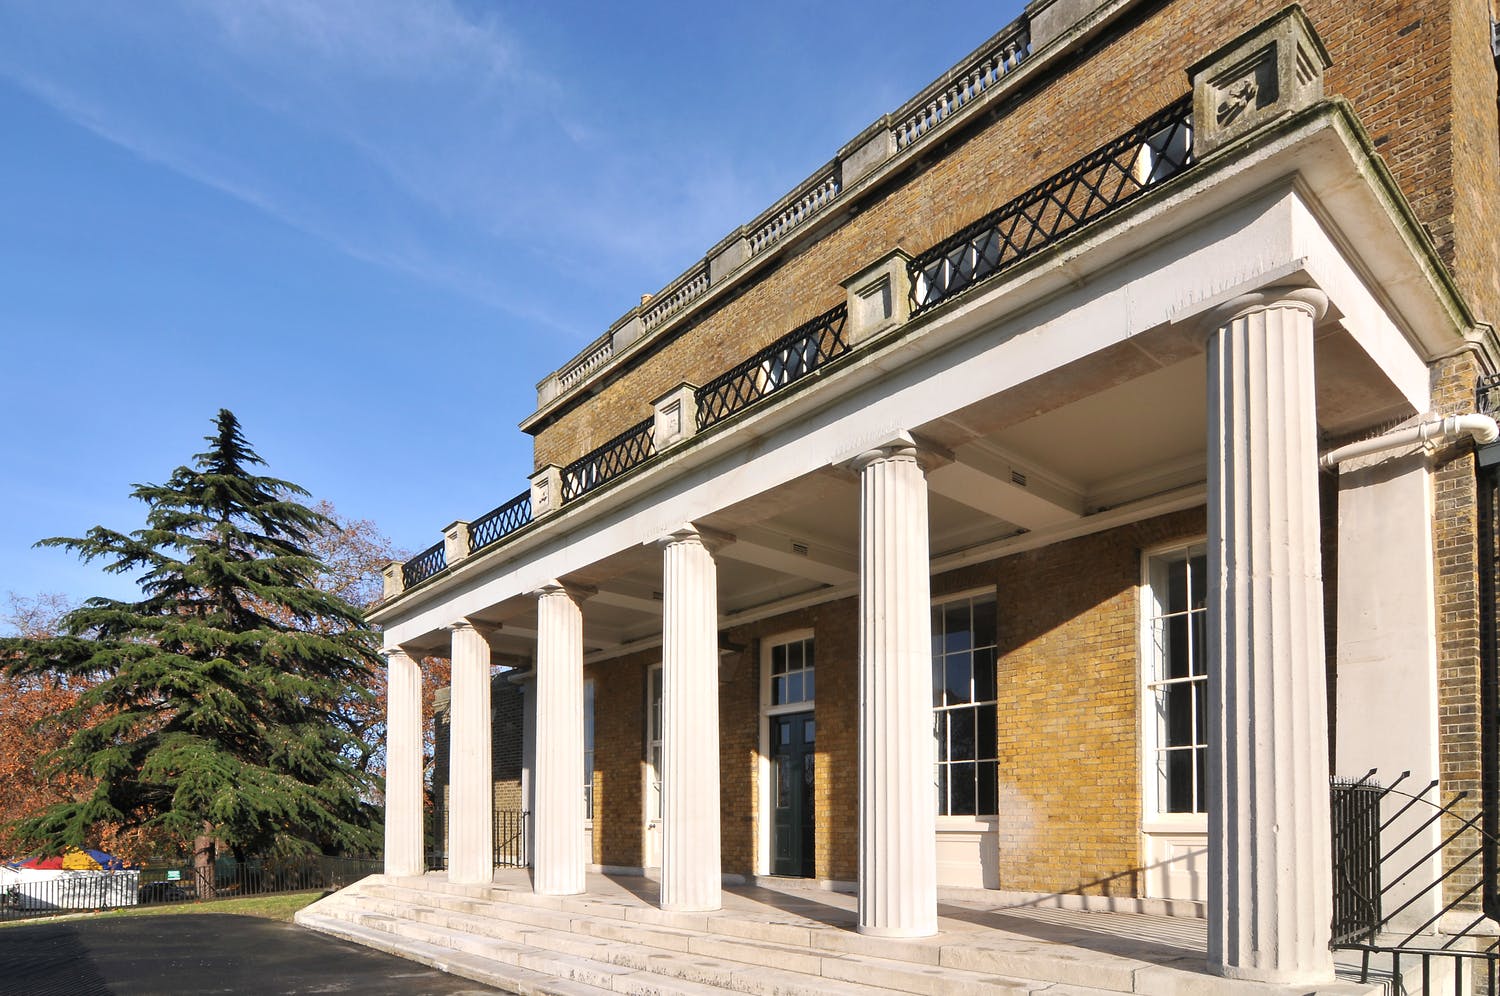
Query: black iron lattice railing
{"points": [[1368, 846], [1355, 811], [1154, 150], [785, 361], [495, 525], [424, 565], [630, 448]]}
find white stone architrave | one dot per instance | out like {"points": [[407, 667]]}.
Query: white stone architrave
{"points": [[691, 874], [471, 793], [897, 798], [1270, 870], [557, 850], [403, 765]]}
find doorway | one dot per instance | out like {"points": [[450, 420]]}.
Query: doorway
{"points": [[793, 740]]}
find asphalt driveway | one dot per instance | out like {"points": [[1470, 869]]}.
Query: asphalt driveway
{"points": [[203, 953]]}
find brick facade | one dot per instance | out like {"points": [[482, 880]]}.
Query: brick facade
{"points": [[1438, 132]]}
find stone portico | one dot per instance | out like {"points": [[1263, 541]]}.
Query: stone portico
{"points": [[1197, 312]]}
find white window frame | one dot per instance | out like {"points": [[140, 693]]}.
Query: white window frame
{"points": [[589, 703], [653, 736], [763, 760], [980, 822], [1153, 818]]}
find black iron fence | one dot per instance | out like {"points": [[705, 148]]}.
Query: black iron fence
{"points": [[785, 361], [630, 448], [510, 836], [494, 526], [1154, 150], [424, 565], [1398, 896], [25, 893]]}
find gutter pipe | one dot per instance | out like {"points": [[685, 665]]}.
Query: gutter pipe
{"points": [[1481, 427]]}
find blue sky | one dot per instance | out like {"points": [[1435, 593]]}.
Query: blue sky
{"points": [[369, 227]]}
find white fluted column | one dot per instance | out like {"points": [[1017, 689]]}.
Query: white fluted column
{"points": [[471, 779], [690, 863], [558, 854], [403, 765], [897, 799], [1270, 876]]}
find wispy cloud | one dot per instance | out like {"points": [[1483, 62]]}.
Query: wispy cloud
{"points": [[409, 134]]}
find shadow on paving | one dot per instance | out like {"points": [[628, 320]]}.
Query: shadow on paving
{"points": [[203, 953]]}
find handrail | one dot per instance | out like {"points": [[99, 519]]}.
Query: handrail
{"points": [[1150, 152], [495, 525], [424, 565], [630, 448]]}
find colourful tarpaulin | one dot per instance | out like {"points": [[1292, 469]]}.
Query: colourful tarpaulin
{"points": [[86, 860]]}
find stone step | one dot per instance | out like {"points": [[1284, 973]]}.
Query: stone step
{"points": [[623, 969], [710, 958], [507, 978], [803, 947]]}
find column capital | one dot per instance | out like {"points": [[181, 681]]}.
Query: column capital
{"points": [[690, 532], [395, 653], [901, 445], [577, 592], [1308, 299]]}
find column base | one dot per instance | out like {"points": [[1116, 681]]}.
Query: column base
{"points": [[691, 908], [897, 931], [1319, 978]]}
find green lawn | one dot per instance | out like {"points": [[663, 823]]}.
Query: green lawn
{"points": [[275, 907]]}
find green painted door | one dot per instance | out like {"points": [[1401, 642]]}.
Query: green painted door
{"points": [[792, 739]]}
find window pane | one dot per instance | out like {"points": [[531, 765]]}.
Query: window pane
{"points": [[1201, 763], [807, 687], [939, 681], [956, 635], [783, 780], [778, 691], [961, 734], [778, 659], [942, 789], [1198, 569], [961, 784], [794, 687], [984, 675], [959, 668], [940, 735], [984, 622], [988, 804], [1177, 647], [809, 732], [1178, 772], [1177, 593], [1200, 642], [937, 632], [1178, 731], [985, 734], [1200, 712], [807, 651], [794, 656], [784, 733]]}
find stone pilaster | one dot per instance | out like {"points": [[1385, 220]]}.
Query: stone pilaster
{"points": [[690, 863], [557, 849], [403, 765], [897, 800], [471, 792], [1270, 875]]}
